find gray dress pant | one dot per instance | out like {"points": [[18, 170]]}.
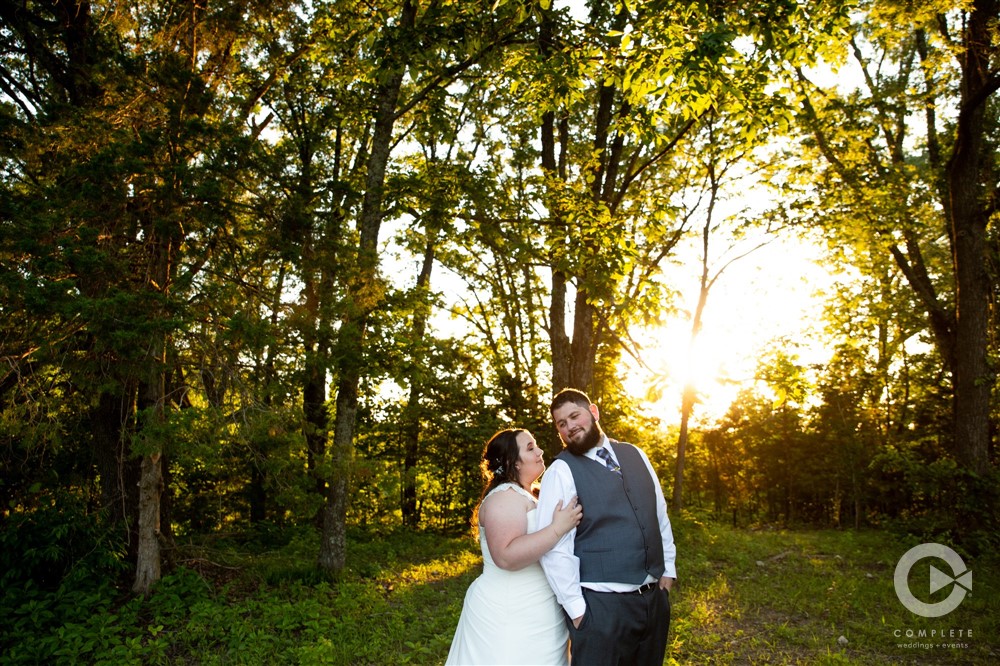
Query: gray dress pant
{"points": [[621, 629]]}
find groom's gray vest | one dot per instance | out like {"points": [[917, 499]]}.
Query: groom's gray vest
{"points": [[618, 540]]}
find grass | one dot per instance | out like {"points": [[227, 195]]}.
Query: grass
{"points": [[746, 597], [816, 597]]}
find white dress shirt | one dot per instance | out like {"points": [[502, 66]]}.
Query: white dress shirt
{"points": [[561, 566]]}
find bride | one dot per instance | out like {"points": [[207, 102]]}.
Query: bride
{"points": [[510, 615]]}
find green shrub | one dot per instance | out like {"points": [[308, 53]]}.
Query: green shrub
{"points": [[58, 567]]}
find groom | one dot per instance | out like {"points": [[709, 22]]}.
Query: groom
{"points": [[613, 573]]}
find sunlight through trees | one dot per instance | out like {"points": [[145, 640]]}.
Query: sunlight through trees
{"points": [[230, 235]]}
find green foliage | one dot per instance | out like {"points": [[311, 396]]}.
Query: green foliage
{"points": [[745, 596], [250, 604], [921, 491], [456, 415], [205, 448], [858, 457], [180, 201], [55, 541], [59, 565]]}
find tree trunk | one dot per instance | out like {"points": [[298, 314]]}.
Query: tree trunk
{"points": [[147, 570], [302, 220], [361, 300], [689, 393], [580, 353], [969, 215], [257, 491], [153, 404], [687, 407], [119, 471], [558, 340], [411, 415], [584, 346], [148, 564], [314, 410]]}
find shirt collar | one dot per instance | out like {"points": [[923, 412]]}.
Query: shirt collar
{"points": [[605, 443]]}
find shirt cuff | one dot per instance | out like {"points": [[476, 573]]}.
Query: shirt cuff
{"points": [[575, 608]]}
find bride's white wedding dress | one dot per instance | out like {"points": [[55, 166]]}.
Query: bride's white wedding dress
{"points": [[510, 617]]}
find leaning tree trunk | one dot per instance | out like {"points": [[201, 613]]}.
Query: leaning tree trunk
{"points": [[687, 408]]}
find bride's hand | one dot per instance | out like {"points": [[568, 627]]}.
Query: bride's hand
{"points": [[563, 520]]}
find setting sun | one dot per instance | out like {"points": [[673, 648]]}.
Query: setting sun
{"points": [[772, 297]]}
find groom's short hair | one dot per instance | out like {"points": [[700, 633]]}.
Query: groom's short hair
{"points": [[570, 395]]}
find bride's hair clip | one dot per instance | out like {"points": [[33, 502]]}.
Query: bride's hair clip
{"points": [[498, 471]]}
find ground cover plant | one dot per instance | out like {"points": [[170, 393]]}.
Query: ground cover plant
{"points": [[747, 596]]}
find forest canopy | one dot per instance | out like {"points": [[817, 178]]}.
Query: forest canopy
{"points": [[289, 263]]}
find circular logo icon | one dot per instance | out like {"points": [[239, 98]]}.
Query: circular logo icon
{"points": [[960, 577]]}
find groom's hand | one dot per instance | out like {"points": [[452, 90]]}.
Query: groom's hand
{"points": [[577, 621], [667, 583]]}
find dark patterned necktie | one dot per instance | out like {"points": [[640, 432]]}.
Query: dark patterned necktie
{"points": [[603, 454]]}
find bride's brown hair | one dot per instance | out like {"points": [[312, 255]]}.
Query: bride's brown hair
{"points": [[499, 464], [500, 458]]}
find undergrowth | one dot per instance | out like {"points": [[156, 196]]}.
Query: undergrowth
{"points": [[762, 596]]}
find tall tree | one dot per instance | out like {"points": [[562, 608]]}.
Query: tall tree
{"points": [[362, 287], [430, 194], [126, 118], [614, 99], [929, 63], [312, 170], [974, 189], [718, 168], [433, 45]]}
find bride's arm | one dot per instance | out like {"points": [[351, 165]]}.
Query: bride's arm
{"points": [[504, 516]]}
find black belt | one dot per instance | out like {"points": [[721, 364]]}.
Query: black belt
{"points": [[645, 588]]}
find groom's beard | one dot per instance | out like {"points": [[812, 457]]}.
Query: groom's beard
{"points": [[580, 443]]}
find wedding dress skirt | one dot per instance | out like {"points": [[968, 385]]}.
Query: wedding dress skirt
{"points": [[510, 617]]}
